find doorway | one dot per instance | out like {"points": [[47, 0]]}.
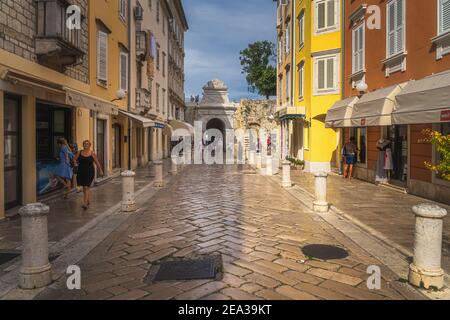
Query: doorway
{"points": [[149, 144], [399, 138], [101, 144], [116, 148], [12, 147]]}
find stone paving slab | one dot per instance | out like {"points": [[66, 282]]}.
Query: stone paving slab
{"points": [[386, 211], [67, 216], [261, 250]]}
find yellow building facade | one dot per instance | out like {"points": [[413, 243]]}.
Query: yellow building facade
{"points": [[316, 78]]}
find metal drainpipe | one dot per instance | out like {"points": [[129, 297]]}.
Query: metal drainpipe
{"points": [[129, 84]]}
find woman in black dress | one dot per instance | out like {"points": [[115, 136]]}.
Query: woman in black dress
{"points": [[87, 160]]}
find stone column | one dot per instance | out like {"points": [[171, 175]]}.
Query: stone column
{"points": [[159, 177], [425, 271], [252, 157], [269, 166], [36, 271], [321, 204], [286, 182], [173, 166], [128, 200]]}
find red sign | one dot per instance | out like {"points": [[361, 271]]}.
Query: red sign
{"points": [[445, 116], [363, 122]]}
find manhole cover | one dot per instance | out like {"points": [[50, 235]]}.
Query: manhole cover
{"points": [[6, 257], [199, 269], [324, 252]]}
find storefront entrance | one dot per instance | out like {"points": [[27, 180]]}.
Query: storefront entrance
{"points": [[52, 123], [398, 135], [150, 143], [101, 144], [12, 146]]}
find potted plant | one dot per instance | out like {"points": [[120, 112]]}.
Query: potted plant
{"points": [[296, 163]]}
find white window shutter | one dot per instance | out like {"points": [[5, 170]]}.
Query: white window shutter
{"points": [[330, 84], [321, 79], [392, 23], [444, 16], [336, 74], [102, 56], [331, 13], [400, 27], [355, 50]]}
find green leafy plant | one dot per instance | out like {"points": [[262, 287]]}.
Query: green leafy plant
{"points": [[442, 145], [296, 162]]}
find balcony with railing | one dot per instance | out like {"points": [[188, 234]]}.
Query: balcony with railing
{"points": [[57, 46]]}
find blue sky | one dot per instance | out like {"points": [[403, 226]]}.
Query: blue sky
{"points": [[218, 31]]}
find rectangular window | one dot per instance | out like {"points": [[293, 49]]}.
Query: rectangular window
{"points": [[444, 16], [287, 40], [124, 71], [158, 56], [157, 10], [157, 97], [301, 80], [358, 48], [287, 86], [102, 57], [164, 101], [326, 70], [280, 50], [123, 9], [301, 29], [280, 89], [326, 15], [396, 27], [360, 134], [164, 64]]}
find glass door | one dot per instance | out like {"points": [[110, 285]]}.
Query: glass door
{"points": [[150, 143], [101, 143], [399, 139], [12, 145]]}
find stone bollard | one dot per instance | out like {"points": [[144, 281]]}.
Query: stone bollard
{"points": [[286, 182], [269, 166], [321, 204], [252, 158], [36, 271], [173, 167], [425, 271], [258, 161], [128, 200], [159, 177]]}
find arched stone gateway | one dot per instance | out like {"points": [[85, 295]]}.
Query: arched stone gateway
{"points": [[215, 108]]}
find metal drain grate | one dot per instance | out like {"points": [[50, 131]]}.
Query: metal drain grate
{"points": [[184, 270], [324, 252], [6, 257]]}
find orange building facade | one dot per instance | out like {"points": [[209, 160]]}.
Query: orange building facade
{"points": [[396, 84]]}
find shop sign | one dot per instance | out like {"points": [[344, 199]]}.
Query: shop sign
{"points": [[445, 116]]}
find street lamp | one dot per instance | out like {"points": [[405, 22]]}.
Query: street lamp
{"points": [[120, 94], [362, 87]]}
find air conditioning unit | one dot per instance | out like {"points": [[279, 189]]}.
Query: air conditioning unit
{"points": [[138, 13]]}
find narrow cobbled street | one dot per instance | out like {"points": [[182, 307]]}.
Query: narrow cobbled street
{"points": [[256, 228]]}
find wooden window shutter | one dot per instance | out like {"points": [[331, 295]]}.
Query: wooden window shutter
{"points": [[102, 56]]}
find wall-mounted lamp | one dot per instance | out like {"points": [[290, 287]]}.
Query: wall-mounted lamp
{"points": [[121, 94], [362, 87]]}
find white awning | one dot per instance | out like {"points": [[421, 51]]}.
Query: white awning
{"points": [[424, 101], [142, 121], [82, 100], [375, 108], [339, 115], [167, 130], [181, 125]]}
